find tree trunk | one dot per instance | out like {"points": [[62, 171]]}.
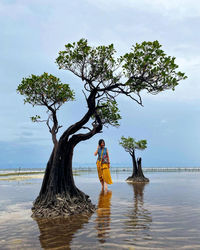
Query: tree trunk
{"points": [[137, 175], [139, 163], [135, 169], [59, 195]]}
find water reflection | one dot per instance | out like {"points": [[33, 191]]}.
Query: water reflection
{"points": [[138, 216], [103, 215], [58, 233]]}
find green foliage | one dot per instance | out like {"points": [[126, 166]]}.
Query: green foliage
{"points": [[91, 64], [35, 118], [147, 67], [109, 113], [45, 90], [130, 144]]}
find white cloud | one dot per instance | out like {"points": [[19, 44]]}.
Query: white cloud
{"points": [[174, 9]]}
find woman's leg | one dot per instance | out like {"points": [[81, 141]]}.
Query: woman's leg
{"points": [[106, 186], [102, 185]]}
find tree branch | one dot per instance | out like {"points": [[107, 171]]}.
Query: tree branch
{"points": [[75, 139], [78, 125], [86, 128]]}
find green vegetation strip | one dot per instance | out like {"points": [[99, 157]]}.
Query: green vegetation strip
{"points": [[171, 169], [26, 173], [21, 173]]}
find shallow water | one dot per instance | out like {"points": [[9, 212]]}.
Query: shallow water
{"points": [[164, 214]]}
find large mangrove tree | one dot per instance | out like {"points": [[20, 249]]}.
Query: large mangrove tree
{"points": [[103, 77]]}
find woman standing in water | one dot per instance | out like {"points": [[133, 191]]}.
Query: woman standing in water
{"points": [[103, 165]]}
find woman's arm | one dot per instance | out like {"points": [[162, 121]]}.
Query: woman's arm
{"points": [[108, 159], [96, 152]]}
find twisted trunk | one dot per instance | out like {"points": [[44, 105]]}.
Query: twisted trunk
{"points": [[59, 195]]}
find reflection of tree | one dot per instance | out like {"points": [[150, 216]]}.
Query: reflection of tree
{"points": [[103, 215], [139, 217], [58, 233]]}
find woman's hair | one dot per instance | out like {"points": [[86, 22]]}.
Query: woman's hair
{"points": [[100, 141]]}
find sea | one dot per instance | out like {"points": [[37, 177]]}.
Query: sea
{"points": [[162, 214]]}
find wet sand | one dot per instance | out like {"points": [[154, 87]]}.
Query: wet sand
{"points": [[21, 177], [164, 214]]}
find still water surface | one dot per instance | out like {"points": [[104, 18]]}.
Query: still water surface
{"points": [[164, 214]]}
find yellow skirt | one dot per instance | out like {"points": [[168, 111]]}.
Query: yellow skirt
{"points": [[104, 172]]}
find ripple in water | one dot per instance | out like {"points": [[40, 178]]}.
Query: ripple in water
{"points": [[138, 216]]}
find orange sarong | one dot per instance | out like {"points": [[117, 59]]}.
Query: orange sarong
{"points": [[104, 172]]}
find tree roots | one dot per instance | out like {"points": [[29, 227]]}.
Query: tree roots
{"points": [[137, 179], [62, 205]]}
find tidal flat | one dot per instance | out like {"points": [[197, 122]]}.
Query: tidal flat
{"points": [[163, 214]]}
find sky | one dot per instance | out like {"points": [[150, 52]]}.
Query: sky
{"points": [[32, 34]]}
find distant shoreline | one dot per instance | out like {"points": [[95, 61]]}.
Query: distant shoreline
{"points": [[25, 172], [28, 174], [17, 167]]}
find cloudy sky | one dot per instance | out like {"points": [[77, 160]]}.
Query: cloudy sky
{"points": [[33, 32]]}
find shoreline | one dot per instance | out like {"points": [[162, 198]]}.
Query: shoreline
{"points": [[25, 171], [14, 175]]}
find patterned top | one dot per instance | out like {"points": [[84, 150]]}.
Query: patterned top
{"points": [[104, 156]]}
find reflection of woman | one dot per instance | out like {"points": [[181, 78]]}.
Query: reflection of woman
{"points": [[103, 165], [103, 215]]}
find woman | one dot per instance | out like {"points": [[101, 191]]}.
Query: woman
{"points": [[103, 165]]}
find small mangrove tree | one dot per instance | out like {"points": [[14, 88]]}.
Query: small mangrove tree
{"points": [[131, 145]]}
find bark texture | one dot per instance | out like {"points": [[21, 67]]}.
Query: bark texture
{"points": [[59, 195]]}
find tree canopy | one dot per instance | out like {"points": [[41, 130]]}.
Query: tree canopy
{"points": [[46, 90], [130, 144], [145, 68]]}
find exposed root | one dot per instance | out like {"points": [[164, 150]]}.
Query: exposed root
{"points": [[137, 179], [62, 206]]}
